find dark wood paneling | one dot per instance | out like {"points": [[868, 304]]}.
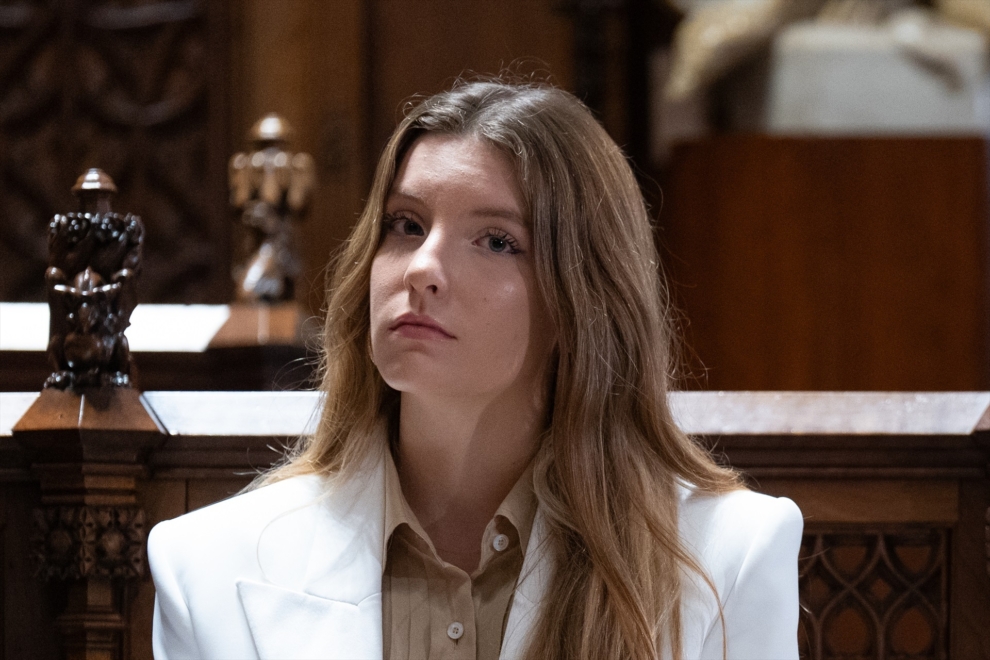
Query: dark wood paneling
{"points": [[29, 607], [875, 593], [233, 368], [421, 46], [970, 587], [161, 499], [832, 264], [305, 60], [138, 90]]}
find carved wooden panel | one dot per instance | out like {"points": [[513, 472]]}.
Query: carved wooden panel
{"points": [[874, 594], [135, 87]]}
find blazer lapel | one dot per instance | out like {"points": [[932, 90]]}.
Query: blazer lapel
{"points": [[294, 625], [321, 568], [530, 591]]}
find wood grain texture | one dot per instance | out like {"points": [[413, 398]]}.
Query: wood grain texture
{"points": [[204, 492], [874, 592], [844, 264], [880, 553], [869, 501], [422, 46], [268, 367]]}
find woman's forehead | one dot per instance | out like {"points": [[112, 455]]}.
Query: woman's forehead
{"points": [[466, 167]]}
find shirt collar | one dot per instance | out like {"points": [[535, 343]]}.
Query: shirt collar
{"points": [[518, 507], [397, 510]]}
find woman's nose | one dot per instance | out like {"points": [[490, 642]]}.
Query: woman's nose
{"points": [[426, 272]]}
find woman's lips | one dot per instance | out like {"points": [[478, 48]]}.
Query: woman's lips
{"points": [[416, 326]]}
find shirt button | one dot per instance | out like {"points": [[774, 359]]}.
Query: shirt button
{"points": [[500, 542], [455, 630]]}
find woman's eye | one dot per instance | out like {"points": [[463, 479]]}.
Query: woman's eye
{"points": [[403, 225], [497, 244], [410, 227], [499, 241]]}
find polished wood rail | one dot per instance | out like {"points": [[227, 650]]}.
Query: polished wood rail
{"points": [[894, 488]]}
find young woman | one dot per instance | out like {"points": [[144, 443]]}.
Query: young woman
{"points": [[496, 471]]}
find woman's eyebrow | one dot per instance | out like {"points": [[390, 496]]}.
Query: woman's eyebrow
{"points": [[502, 212], [404, 195], [499, 212]]}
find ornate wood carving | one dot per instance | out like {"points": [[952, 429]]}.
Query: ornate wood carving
{"points": [[87, 448], [132, 87], [271, 187], [875, 593], [902, 586], [88, 434], [74, 543], [94, 260]]}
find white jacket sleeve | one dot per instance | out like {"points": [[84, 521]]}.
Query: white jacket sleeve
{"points": [[172, 633], [761, 607]]}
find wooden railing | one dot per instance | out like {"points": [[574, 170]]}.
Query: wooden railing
{"points": [[894, 488]]}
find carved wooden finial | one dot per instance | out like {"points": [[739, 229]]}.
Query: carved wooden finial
{"points": [[94, 257], [270, 186], [270, 128], [88, 434], [95, 190]]}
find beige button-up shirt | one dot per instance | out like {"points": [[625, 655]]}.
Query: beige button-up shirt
{"points": [[432, 609]]}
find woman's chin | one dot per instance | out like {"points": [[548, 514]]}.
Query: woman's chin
{"points": [[433, 383]]}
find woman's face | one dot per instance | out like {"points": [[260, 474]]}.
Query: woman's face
{"points": [[455, 309]]}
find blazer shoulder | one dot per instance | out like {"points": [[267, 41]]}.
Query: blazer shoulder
{"points": [[742, 512], [727, 530], [243, 515], [748, 545]]}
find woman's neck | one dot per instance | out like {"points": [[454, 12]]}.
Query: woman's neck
{"points": [[458, 461]]}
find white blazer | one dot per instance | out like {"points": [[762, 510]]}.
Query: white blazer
{"points": [[294, 570]]}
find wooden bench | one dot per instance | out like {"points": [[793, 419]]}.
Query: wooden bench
{"points": [[893, 487]]}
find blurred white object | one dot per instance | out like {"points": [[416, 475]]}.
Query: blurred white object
{"points": [[912, 74], [717, 35], [165, 328]]}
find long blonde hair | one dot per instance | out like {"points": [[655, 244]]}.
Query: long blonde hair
{"points": [[608, 470]]}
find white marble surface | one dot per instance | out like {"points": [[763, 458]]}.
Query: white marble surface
{"points": [[13, 405], [159, 328], [698, 413], [236, 413], [840, 413]]}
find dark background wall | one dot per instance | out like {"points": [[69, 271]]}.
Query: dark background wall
{"points": [[807, 264]]}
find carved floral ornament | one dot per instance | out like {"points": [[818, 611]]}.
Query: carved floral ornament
{"points": [[77, 542]]}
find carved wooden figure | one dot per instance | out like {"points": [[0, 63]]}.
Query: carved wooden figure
{"points": [[271, 188], [94, 258]]}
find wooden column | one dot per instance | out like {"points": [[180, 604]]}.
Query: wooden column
{"points": [[87, 436], [88, 449]]}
